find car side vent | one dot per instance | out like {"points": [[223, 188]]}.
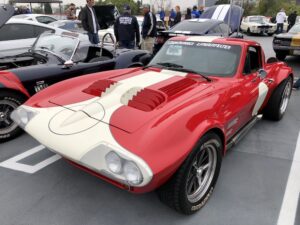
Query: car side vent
{"points": [[99, 87], [177, 87], [146, 100]]}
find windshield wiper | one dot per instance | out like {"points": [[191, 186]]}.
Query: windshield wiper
{"points": [[169, 64], [191, 71]]}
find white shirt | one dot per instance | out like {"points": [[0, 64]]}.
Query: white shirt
{"points": [[281, 17], [94, 20]]}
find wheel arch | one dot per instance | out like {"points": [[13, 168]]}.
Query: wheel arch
{"points": [[14, 91]]}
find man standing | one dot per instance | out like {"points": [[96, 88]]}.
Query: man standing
{"points": [[148, 29], [71, 12], [127, 31], [89, 21], [178, 15], [195, 12], [292, 19], [280, 18]]}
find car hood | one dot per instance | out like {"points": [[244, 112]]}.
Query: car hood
{"points": [[6, 12], [222, 12], [288, 35], [129, 101], [106, 15]]}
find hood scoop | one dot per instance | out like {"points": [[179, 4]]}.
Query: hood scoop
{"points": [[178, 87], [100, 87], [146, 100]]}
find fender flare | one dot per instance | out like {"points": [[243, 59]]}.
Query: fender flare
{"points": [[10, 81]]}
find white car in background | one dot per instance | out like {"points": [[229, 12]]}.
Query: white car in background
{"points": [[258, 25], [41, 18], [18, 35]]}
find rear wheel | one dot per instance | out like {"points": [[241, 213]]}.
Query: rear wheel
{"points": [[192, 185], [281, 55], [9, 101], [279, 100]]}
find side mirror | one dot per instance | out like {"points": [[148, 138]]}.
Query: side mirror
{"points": [[272, 60], [145, 59], [68, 64], [237, 35], [262, 73]]}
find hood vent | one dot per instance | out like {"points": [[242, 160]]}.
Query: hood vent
{"points": [[146, 100], [99, 87], [177, 87]]}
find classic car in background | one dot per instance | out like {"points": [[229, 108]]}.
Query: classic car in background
{"points": [[53, 58], [258, 25], [214, 21], [287, 43], [18, 35], [41, 18], [166, 126]]}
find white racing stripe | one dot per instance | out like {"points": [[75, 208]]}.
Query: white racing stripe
{"points": [[13, 163], [288, 209], [224, 12], [217, 12]]}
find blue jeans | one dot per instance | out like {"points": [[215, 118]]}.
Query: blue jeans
{"points": [[126, 44], [94, 38], [279, 28]]}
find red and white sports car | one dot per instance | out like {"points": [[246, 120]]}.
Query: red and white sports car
{"points": [[165, 126]]}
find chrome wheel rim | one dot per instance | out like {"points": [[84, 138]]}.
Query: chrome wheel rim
{"points": [[285, 97], [6, 123], [202, 172]]}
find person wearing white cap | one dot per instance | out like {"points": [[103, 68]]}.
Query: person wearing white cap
{"points": [[280, 18]]}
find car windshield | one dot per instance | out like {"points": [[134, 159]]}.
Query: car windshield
{"points": [[257, 19], [295, 29], [68, 25], [63, 46], [192, 26], [209, 59]]}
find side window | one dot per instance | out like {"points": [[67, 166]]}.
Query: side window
{"points": [[215, 30], [38, 30], [45, 19], [252, 62], [16, 32]]}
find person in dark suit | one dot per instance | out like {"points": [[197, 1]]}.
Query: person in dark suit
{"points": [[178, 15], [89, 21]]}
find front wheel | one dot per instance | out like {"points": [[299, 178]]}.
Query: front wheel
{"points": [[9, 101], [192, 185], [279, 100]]}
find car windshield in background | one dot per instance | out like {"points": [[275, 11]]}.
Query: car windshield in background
{"points": [[60, 45], [68, 25], [295, 29], [192, 26], [202, 57], [258, 19]]}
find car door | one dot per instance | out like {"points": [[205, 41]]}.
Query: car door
{"points": [[254, 90]]}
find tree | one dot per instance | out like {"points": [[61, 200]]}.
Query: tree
{"points": [[120, 5], [47, 8]]}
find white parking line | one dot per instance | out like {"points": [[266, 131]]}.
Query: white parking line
{"points": [[13, 163], [288, 209]]}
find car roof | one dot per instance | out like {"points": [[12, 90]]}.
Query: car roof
{"points": [[216, 39], [209, 21]]}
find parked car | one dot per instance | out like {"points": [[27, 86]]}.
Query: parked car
{"points": [[53, 58], [41, 18], [287, 43], [214, 21], [18, 35], [166, 126], [258, 25]]}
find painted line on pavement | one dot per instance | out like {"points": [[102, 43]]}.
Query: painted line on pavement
{"points": [[13, 163], [288, 209]]}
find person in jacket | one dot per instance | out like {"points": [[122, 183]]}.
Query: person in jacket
{"points": [[126, 29], [280, 18], [89, 21], [195, 12], [178, 15], [172, 18], [292, 19], [148, 29], [188, 14], [71, 12]]}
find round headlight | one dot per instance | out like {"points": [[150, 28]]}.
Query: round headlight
{"points": [[23, 115], [114, 162], [132, 173]]}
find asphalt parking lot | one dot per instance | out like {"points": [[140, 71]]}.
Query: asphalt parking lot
{"points": [[259, 182]]}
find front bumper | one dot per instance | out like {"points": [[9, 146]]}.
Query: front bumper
{"points": [[86, 148]]}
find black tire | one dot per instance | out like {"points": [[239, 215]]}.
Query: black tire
{"points": [[174, 192], [281, 55], [8, 102], [270, 34], [277, 104]]}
